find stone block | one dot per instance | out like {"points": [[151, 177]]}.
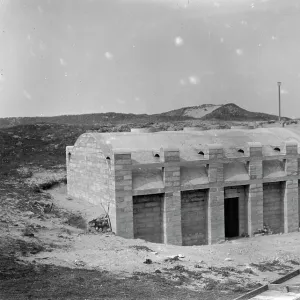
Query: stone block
{"points": [[254, 149], [255, 168], [168, 155], [291, 148], [291, 166], [215, 172], [215, 151]]}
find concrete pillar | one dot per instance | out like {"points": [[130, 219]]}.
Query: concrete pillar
{"points": [[254, 208], [121, 169], [290, 206], [172, 218], [215, 202], [255, 168], [215, 215], [254, 192], [215, 151], [291, 162], [215, 169], [172, 198]]}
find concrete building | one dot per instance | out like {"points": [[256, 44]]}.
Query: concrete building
{"points": [[190, 187]]}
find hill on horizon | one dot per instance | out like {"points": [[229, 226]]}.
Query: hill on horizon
{"points": [[232, 112], [205, 112]]}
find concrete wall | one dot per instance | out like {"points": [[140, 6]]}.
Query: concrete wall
{"points": [[193, 217], [299, 203], [186, 205], [147, 217], [89, 175], [273, 206]]}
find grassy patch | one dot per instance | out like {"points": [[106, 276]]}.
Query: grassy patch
{"points": [[76, 220], [34, 281], [48, 184], [141, 248], [274, 265]]}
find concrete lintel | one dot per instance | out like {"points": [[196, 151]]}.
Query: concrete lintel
{"points": [[291, 148], [254, 144], [169, 149], [214, 184], [205, 161], [291, 143], [214, 146], [148, 192], [122, 151]]}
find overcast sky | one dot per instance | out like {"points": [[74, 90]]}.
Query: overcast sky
{"points": [[90, 56]]}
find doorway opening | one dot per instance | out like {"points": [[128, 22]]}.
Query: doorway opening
{"points": [[231, 210]]}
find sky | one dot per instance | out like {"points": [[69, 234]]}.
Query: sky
{"points": [[147, 56]]}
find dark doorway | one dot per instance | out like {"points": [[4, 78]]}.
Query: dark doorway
{"points": [[231, 210]]}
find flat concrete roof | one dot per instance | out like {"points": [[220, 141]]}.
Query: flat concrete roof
{"points": [[229, 138]]}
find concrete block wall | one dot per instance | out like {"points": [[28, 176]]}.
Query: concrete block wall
{"points": [[88, 174], [147, 217], [193, 217], [68, 160], [273, 206], [93, 177], [299, 202]]}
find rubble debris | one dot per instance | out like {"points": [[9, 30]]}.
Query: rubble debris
{"points": [[172, 258], [228, 259], [141, 248], [101, 222], [79, 263], [48, 208], [28, 231], [264, 231], [148, 261], [29, 234]]}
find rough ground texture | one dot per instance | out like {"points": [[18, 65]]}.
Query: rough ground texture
{"points": [[51, 255], [46, 251]]}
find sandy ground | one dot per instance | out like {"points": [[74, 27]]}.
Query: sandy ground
{"points": [[112, 253], [239, 264]]}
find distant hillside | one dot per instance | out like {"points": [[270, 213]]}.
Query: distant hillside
{"points": [[208, 112], [232, 112], [192, 111], [91, 119]]}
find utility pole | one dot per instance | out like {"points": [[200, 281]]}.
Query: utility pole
{"points": [[279, 94]]}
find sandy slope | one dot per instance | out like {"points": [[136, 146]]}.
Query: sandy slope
{"points": [[112, 253], [200, 112]]}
